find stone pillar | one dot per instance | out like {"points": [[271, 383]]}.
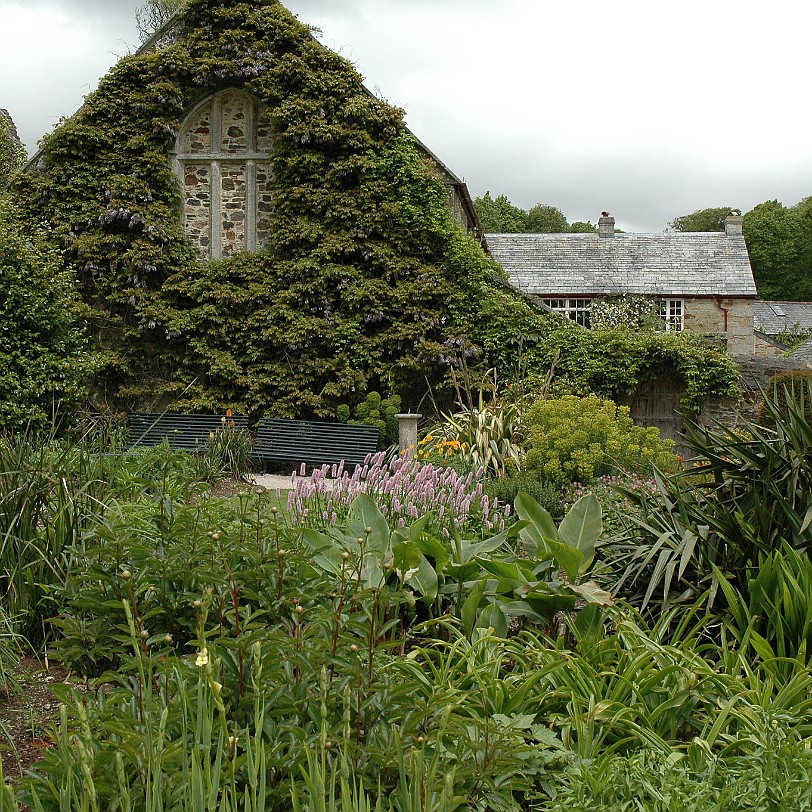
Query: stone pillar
{"points": [[407, 430]]}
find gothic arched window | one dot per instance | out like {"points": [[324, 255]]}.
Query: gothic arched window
{"points": [[221, 159]]}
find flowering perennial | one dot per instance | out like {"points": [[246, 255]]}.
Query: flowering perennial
{"points": [[405, 489]]}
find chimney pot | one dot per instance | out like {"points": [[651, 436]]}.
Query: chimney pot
{"points": [[606, 225]]}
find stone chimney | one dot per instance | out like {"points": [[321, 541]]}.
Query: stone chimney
{"points": [[733, 224], [606, 225]]}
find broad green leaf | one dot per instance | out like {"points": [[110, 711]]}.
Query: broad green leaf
{"points": [[567, 558], [433, 548], [493, 617], [582, 527], [588, 625], [365, 514], [503, 570], [592, 593], [540, 525], [549, 604], [406, 558], [424, 581], [522, 609], [470, 607]]}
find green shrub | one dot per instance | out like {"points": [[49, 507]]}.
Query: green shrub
{"points": [[228, 452], [507, 488], [375, 411], [571, 438], [792, 387], [42, 358]]}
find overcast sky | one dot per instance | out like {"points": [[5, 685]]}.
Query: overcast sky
{"points": [[646, 108]]}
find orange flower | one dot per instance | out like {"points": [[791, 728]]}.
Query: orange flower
{"points": [[229, 413]]}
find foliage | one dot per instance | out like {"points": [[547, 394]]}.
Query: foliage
{"points": [[12, 153], [544, 219], [500, 216], [367, 278], [581, 227], [505, 489], [624, 310], [794, 337], [260, 666], [779, 241], [228, 451], [405, 488], [578, 439], [747, 493], [487, 436], [712, 219], [43, 362], [153, 14], [375, 411], [774, 618], [786, 389]]}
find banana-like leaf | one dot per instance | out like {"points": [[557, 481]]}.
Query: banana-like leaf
{"points": [[364, 514], [582, 527], [540, 525]]}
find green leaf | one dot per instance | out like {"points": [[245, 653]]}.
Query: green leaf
{"points": [[540, 525], [582, 527], [470, 607], [364, 514], [592, 593], [493, 617]]}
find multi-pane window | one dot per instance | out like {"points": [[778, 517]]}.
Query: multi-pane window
{"points": [[672, 312], [221, 159], [575, 309]]}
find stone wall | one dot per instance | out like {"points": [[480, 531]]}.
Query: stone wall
{"points": [[707, 316], [756, 375]]}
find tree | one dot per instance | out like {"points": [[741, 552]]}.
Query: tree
{"points": [[500, 216], [153, 14], [42, 358], [544, 219], [702, 220], [580, 227], [12, 151], [778, 240]]}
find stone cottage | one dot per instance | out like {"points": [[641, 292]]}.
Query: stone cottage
{"points": [[702, 282]]}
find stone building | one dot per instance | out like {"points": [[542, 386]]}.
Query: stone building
{"points": [[221, 160], [702, 282]]}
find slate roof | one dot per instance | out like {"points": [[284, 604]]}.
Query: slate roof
{"points": [[668, 264], [777, 317]]}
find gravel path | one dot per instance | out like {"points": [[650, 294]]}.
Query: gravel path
{"points": [[276, 481]]}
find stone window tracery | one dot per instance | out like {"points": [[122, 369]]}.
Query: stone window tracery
{"points": [[222, 161]]}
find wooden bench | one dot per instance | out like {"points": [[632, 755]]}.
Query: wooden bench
{"points": [[279, 440], [189, 432]]}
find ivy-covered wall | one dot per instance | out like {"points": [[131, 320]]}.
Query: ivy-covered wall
{"points": [[365, 265]]}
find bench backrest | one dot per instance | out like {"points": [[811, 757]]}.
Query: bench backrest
{"points": [[184, 431], [314, 443]]}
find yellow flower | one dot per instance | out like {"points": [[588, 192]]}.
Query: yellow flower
{"points": [[202, 658]]}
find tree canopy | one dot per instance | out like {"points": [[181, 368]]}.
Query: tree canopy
{"points": [[500, 216], [779, 240], [703, 220]]}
